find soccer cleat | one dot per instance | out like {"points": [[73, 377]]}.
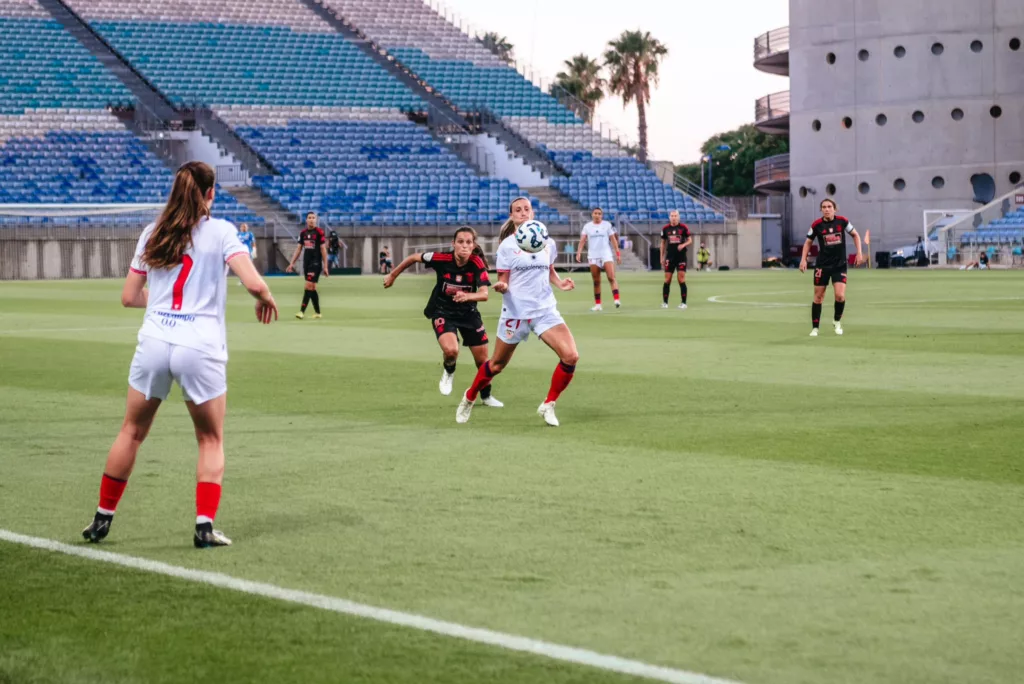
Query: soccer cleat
{"points": [[617, 303], [814, 332], [300, 315], [98, 529], [206, 537], [664, 305], [597, 307], [682, 306], [492, 402], [465, 408], [446, 383], [838, 326], [317, 317], [547, 412]]}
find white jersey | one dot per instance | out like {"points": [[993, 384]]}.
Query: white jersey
{"points": [[529, 283], [598, 236], [187, 302]]}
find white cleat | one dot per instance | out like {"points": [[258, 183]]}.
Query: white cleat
{"points": [[664, 305], [547, 412], [597, 307], [617, 304], [492, 402], [446, 383], [838, 326], [465, 408], [682, 306], [814, 332]]}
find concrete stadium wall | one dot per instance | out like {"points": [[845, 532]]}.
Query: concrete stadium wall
{"points": [[884, 63]]}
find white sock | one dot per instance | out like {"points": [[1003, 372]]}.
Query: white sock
{"points": [[202, 519]]}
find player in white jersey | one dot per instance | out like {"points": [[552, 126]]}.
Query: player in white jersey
{"points": [[528, 305], [602, 253], [184, 258]]}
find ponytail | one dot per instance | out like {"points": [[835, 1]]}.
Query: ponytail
{"points": [[480, 253], [186, 207]]}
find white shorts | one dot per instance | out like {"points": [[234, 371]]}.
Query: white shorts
{"points": [[514, 330], [156, 364], [599, 261]]}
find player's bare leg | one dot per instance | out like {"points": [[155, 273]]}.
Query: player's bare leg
{"points": [[595, 275], [449, 344], [819, 297], [502, 355], [208, 420], [839, 289], [138, 419], [609, 269], [561, 341], [480, 358]]}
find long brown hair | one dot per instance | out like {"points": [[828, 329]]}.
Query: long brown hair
{"points": [[185, 208], [476, 244], [509, 226]]}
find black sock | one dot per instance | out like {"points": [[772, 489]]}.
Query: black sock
{"points": [[315, 296], [682, 291], [485, 392], [305, 300], [840, 307], [449, 366], [815, 314], [665, 289]]}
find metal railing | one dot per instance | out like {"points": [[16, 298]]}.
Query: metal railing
{"points": [[717, 204], [769, 107], [232, 175], [771, 43], [771, 169]]}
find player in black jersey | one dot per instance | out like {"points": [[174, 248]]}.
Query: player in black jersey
{"points": [[462, 281], [313, 247], [830, 233], [675, 238]]}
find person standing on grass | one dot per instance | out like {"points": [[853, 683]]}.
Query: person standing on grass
{"points": [[602, 243], [313, 247], [184, 258], [334, 245], [385, 260], [675, 238], [830, 232], [462, 281], [528, 305]]}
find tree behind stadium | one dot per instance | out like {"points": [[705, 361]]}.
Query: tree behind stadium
{"points": [[632, 60], [581, 79], [499, 45]]}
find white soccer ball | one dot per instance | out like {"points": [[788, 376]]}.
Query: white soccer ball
{"points": [[532, 236]]}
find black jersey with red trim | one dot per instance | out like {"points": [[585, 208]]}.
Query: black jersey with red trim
{"points": [[674, 237], [312, 239], [831, 239], [452, 278]]}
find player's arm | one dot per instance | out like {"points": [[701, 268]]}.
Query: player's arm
{"points": [[664, 242], [323, 255], [689, 241], [579, 249], [856, 243], [803, 254], [479, 296], [564, 284], [613, 239], [134, 294], [408, 261], [266, 307], [291, 262], [502, 285]]}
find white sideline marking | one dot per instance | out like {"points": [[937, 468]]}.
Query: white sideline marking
{"points": [[717, 299], [510, 642]]}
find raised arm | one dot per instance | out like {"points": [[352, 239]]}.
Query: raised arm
{"points": [[408, 261]]}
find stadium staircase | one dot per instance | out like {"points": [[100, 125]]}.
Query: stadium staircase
{"points": [[565, 205]]}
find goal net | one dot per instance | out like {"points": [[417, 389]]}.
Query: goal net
{"points": [[70, 240]]}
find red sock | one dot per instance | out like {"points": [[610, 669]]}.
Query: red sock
{"points": [[597, 298], [111, 490], [560, 380], [483, 379], [615, 295], [207, 501]]}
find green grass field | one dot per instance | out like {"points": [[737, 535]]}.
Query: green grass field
{"points": [[725, 495]]}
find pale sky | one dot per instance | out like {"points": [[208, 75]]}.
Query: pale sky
{"points": [[708, 82]]}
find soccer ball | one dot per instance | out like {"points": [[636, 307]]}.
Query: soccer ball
{"points": [[532, 236]]}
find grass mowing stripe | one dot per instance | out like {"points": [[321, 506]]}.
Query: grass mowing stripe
{"points": [[507, 641]]}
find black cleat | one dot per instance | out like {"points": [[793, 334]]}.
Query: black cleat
{"points": [[206, 537], [98, 529]]}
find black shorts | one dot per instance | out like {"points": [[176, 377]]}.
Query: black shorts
{"points": [[313, 274], [677, 265], [471, 330], [837, 275]]}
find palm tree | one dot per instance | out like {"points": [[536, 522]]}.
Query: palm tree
{"points": [[632, 62], [499, 45], [581, 79]]}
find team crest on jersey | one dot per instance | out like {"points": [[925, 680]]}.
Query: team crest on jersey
{"points": [[458, 278]]}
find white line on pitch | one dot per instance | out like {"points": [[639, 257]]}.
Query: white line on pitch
{"points": [[510, 642]]}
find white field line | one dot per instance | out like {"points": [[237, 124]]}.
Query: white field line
{"points": [[718, 299], [510, 642]]}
